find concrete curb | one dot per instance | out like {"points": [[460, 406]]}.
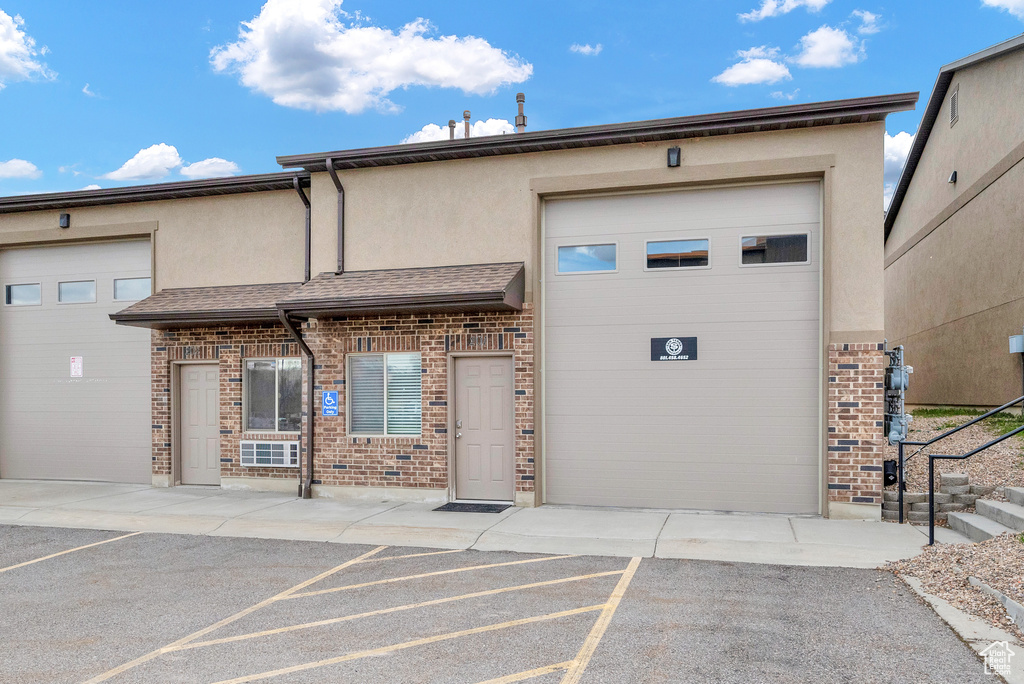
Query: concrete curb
{"points": [[1014, 609], [975, 632]]}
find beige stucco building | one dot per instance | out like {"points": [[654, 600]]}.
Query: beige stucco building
{"points": [[954, 235], [682, 313]]}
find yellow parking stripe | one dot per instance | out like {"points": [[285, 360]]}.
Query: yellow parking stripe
{"points": [[421, 575], [228, 620], [396, 609], [582, 659], [410, 555], [409, 644], [530, 674], [61, 553]]}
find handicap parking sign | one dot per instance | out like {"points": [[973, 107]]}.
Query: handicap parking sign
{"points": [[330, 403]]}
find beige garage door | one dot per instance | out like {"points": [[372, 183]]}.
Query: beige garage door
{"points": [[65, 420], [730, 276]]}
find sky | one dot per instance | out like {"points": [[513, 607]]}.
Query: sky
{"points": [[120, 92]]}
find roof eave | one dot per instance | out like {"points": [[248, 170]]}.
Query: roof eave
{"points": [[501, 300], [195, 319]]}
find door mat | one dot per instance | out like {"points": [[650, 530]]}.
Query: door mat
{"points": [[473, 507]]}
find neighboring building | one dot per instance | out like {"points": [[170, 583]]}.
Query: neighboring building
{"points": [[954, 235], [552, 316]]}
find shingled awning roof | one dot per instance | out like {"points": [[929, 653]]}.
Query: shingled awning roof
{"points": [[439, 289], [203, 306], [452, 289]]}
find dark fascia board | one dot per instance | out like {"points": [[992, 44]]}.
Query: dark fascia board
{"points": [[931, 113], [834, 112], [195, 319], [151, 193]]}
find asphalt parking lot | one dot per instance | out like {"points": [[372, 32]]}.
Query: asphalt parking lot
{"points": [[92, 606]]}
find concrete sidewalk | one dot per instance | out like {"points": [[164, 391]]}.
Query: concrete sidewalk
{"points": [[736, 537]]}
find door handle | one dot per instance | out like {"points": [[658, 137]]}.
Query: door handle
{"points": [[458, 434]]}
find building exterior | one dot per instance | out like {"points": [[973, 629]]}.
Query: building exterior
{"points": [[546, 317], [953, 240]]}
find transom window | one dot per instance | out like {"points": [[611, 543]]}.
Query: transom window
{"points": [[587, 258], [273, 395], [385, 394], [677, 254], [27, 294], [132, 289], [774, 249], [76, 292]]}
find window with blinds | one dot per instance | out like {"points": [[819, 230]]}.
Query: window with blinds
{"points": [[385, 394]]}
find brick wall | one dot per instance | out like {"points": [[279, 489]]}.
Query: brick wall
{"points": [[856, 446]]}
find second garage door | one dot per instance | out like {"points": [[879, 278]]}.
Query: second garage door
{"points": [[681, 347]]}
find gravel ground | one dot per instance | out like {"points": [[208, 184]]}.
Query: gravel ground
{"points": [[944, 568]]}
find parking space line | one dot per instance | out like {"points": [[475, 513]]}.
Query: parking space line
{"points": [[396, 609], [228, 620], [582, 659], [61, 553], [421, 575], [530, 674], [411, 555], [411, 644]]}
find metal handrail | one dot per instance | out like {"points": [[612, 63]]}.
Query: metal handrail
{"points": [[932, 458], [903, 459]]}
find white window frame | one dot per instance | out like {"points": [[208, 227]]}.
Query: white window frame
{"points": [[128, 299], [18, 306], [615, 243], [348, 396], [810, 244], [677, 268], [72, 282], [277, 396]]}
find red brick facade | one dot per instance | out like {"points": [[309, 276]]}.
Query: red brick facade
{"points": [[856, 447]]}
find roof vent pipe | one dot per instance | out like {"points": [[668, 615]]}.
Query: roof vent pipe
{"points": [[465, 116], [520, 117], [451, 129]]}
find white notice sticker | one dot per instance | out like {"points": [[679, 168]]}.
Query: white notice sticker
{"points": [[76, 366]]}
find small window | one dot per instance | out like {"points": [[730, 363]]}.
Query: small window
{"points": [[385, 394], [677, 254], [587, 258], [774, 249], [954, 106], [28, 294], [132, 289], [273, 395], [76, 292]]}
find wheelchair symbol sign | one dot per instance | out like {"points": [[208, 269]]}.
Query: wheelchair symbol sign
{"points": [[329, 403]]}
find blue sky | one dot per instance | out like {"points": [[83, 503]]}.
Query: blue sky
{"points": [[121, 92]]}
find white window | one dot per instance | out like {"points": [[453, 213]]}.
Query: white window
{"points": [[76, 292], [283, 454], [588, 258], [272, 391], [762, 250], [25, 294], [385, 394], [678, 254], [132, 289]]}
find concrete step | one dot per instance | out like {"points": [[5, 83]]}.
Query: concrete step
{"points": [[1015, 495], [977, 527], [944, 535], [1009, 514]]}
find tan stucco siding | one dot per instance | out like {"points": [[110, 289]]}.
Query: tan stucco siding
{"points": [[227, 240]]}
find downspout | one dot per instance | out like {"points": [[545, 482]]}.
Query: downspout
{"points": [[305, 201], [341, 214], [306, 486]]}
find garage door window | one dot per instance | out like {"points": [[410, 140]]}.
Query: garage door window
{"points": [[588, 258], [759, 250], [385, 394], [77, 292], [132, 289], [273, 395], [27, 294], [677, 254]]}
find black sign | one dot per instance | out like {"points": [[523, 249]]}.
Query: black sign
{"points": [[673, 349]]}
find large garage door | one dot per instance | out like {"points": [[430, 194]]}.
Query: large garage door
{"points": [[61, 419], [727, 278]]}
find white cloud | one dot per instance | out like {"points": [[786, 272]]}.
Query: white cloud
{"points": [[151, 163], [19, 168], [758, 65], [868, 22], [214, 167], [88, 92], [779, 95], [897, 147], [828, 47], [18, 52], [587, 49], [773, 8], [1014, 7], [301, 54], [91, 186], [432, 132]]}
